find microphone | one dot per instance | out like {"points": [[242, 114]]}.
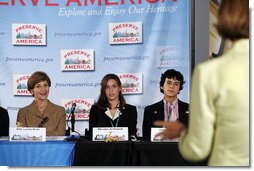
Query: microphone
{"points": [[42, 123], [73, 107], [73, 116], [72, 137]]}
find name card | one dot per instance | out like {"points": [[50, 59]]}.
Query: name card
{"points": [[155, 138], [27, 134], [110, 134]]}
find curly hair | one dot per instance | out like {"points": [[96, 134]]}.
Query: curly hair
{"points": [[171, 73]]}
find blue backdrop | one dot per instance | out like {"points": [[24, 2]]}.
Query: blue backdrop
{"points": [[74, 24]]}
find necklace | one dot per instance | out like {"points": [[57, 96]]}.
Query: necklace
{"points": [[112, 124]]}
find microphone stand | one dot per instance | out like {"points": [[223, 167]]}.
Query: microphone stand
{"points": [[72, 120], [72, 137]]}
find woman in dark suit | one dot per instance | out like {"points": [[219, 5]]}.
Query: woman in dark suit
{"points": [[111, 109], [4, 122]]}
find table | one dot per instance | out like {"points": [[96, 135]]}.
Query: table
{"points": [[49, 153], [95, 153], [143, 153], [147, 153], [89, 153]]}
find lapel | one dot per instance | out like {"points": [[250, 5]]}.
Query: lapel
{"points": [[49, 110], [33, 110], [182, 110], [159, 111], [123, 109]]}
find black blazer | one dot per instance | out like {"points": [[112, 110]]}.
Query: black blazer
{"points": [[128, 118], [4, 122], [155, 112]]}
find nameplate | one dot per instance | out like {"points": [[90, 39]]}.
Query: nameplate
{"points": [[27, 134], [155, 138], [110, 134]]}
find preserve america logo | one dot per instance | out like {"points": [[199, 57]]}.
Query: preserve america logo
{"points": [[20, 85], [77, 59], [169, 56], [29, 34], [82, 109], [131, 83], [125, 33]]}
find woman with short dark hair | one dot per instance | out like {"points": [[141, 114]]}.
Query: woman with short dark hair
{"points": [[41, 112]]}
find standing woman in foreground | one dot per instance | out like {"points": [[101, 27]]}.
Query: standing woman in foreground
{"points": [[41, 112], [111, 109], [219, 104]]}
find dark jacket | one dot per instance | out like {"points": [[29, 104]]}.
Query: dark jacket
{"points": [[155, 112], [128, 118], [4, 122]]}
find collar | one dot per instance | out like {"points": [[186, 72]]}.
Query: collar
{"points": [[174, 103], [33, 109], [118, 113]]}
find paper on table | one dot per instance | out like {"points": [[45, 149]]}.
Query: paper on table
{"points": [[4, 138], [55, 138]]}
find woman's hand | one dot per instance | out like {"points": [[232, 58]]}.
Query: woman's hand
{"points": [[173, 129]]}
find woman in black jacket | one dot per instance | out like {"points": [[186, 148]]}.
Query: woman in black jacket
{"points": [[111, 109]]}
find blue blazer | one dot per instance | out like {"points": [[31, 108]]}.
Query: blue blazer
{"points": [[155, 112]]}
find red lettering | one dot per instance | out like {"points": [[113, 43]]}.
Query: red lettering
{"points": [[133, 1], [4, 3], [110, 3], [86, 2], [50, 4], [77, 67], [154, 1], [125, 25], [130, 90], [22, 78], [23, 92], [35, 2], [77, 101], [77, 1], [129, 76], [77, 52], [92, 2], [21, 1], [125, 40], [23, 41], [29, 27]]}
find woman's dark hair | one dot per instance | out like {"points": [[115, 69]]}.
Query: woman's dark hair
{"points": [[37, 77], [103, 101], [171, 73], [233, 19]]}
